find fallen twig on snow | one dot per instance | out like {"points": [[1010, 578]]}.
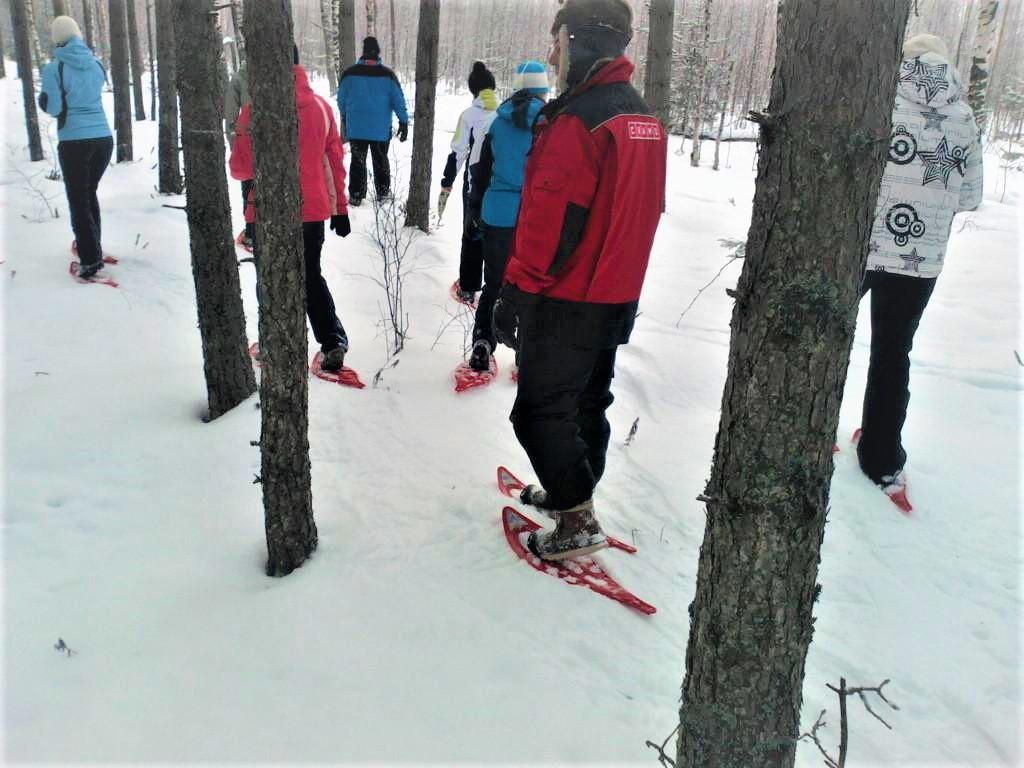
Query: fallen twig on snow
{"points": [[664, 759]]}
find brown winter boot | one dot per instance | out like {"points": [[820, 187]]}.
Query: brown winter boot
{"points": [[576, 533]]}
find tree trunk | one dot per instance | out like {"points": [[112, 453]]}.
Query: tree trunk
{"points": [[702, 88], [792, 329], [284, 440], [394, 40], [33, 32], [418, 206], [3, 55], [167, 142], [658, 73], [152, 66], [103, 29], [226, 362], [59, 8], [327, 21], [236, 24], [963, 33], [721, 119], [119, 75], [346, 35], [371, 18], [980, 62], [23, 51], [136, 61], [90, 37]]}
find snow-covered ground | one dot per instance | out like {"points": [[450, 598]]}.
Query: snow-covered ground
{"points": [[133, 531]]}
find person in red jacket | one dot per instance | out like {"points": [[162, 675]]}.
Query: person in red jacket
{"points": [[322, 179], [592, 198]]}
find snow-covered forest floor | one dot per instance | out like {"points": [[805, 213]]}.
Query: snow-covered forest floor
{"points": [[134, 532]]}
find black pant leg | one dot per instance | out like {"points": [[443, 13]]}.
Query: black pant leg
{"points": [[381, 168], [327, 328], [357, 169], [98, 165], [74, 159], [552, 378], [246, 189], [497, 244], [897, 304], [591, 418]]}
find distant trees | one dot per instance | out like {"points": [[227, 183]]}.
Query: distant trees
{"points": [[135, 56]]}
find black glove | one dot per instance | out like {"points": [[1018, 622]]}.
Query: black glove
{"points": [[341, 225], [403, 131], [505, 317]]}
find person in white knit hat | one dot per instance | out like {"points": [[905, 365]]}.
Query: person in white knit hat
{"points": [[934, 171], [72, 87]]}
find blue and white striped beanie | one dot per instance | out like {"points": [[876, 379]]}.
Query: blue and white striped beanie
{"points": [[531, 76]]}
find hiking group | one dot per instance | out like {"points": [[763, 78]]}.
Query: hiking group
{"points": [[561, 202]]}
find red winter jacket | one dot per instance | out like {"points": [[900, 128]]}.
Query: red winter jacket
{"points": [[592, 199], [321, 156]]}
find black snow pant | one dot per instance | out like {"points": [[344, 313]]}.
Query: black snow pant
{"points": [[559, 415], [897, 303], [497, 244], [82, 164], [246, 189], [471, 258], [323, 316], [357, 168]]}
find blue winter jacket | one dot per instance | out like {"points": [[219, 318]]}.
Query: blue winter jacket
{"points": [[83, 76], [499, 177], [367, 95]]}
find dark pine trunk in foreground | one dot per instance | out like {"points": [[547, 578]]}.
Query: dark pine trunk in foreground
{"points": [[284, 440], [792, 329], [418, 208], [226, 362]]}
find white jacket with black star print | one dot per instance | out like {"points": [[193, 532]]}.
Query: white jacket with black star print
{"points": [[934, 170]]}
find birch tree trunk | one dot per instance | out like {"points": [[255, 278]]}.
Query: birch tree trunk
{"points": [[418, 206], [702, 88], [371, 18], [394, 44], [226, 362], [23, 51], [327, 21], [658, 71], [121, 79], [284, 442], [793, 324], [980, 69], [169, 173], [33, 32], [152, 65], [135, 51], [721, 119]]}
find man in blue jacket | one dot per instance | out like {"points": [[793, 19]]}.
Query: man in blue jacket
{"points": [[367, 95], [72, 87]]}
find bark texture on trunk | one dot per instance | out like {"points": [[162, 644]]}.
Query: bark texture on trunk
{"points": [[151, 50], [90, 38], [23, 51], [792, 329], [121, 79], [226, 363], [418, 206], [284, 439], [658, 73], [135, 56], [169, 165], [346, 35], [980, 63]]}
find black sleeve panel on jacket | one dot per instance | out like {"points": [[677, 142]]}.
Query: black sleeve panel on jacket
{"points": [[480, 175], [572, 233], [449, 171]]}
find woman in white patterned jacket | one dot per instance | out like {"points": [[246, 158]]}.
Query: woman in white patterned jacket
{"points": [[934, 172]]}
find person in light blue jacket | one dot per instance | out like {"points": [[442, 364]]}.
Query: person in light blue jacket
{"points": [[368, 94], [497, 184], [72, 87]]}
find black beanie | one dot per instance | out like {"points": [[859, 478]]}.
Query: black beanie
{"points": [[480, 78], [371, 48]]}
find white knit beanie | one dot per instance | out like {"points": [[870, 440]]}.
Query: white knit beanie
{"points": [[919, 45], [63, 29]]}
